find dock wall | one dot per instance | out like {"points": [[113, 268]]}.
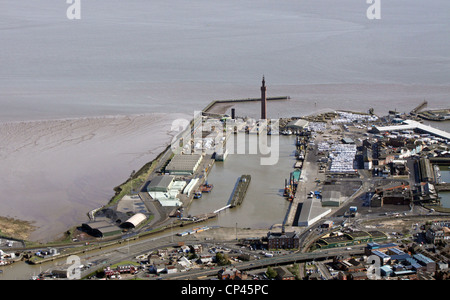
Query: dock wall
{"points": [[440, 160], [442, 187]]}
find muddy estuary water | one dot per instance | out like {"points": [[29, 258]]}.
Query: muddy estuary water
{"points": [[264, 204], [85, 102]]}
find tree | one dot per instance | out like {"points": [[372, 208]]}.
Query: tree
{"points": [[222, 259], [271, 273]]}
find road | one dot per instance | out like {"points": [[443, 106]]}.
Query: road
{"points": [[265, 262], [129, 250]]}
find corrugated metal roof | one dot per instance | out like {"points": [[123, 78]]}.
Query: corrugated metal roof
{"points": [[423, 258], [380, 254], [184, 163], [136, 219], [413, 263], [397, 251], [160, 182]]}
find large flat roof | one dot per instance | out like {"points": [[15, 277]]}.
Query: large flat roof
{"points": [[300, 123], [311, 212], [412, 125], [102, 227], [184, 163], [160, 182]]}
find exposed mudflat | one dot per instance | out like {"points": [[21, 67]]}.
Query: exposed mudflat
{"points": [[53, 172]]}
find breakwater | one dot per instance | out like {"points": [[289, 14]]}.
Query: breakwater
{"points": [[435, 115], [211, 105], [419, 107]]}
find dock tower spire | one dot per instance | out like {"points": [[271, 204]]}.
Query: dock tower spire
{"points": [[263, 100]]}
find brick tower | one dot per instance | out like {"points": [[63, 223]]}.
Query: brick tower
{"points": [[263, 100]]}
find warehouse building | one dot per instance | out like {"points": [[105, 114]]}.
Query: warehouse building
{"points": [[426, 262], [426, 170], [134, 221], [311, 212], [394, 194], [412, 125], [160, 184], [165, 190], [380, 247], [101, 229], [299, 124], [332, 198], [184, 164]]}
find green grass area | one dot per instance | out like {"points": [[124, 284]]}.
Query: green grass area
{"points": [[125, 263], [136, 180]]}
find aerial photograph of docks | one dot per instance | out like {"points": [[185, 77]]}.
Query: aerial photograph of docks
{"points": [[258, 186], [355, 186]]}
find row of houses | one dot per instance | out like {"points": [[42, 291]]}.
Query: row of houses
{"points": [[439, 231], [180, 259]]}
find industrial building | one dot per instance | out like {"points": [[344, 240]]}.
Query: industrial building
{"points": [[311, 212], [184, 164], [426, 171], [160, 184], [332, 198], [412, 125], [396, 194], [101, 229], [380, 247], [165, 190], [191, 186], [426, 262], [397, 262], [299, 124], [134, 221]]}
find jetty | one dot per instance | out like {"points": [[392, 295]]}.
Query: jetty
{"points": [[419, 107], [211, 105], [435, 115], [442, 187], [240, 191]]}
